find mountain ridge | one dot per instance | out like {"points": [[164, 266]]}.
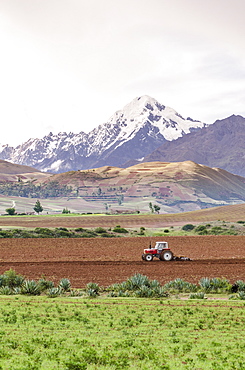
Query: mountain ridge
{"points": [[221, 144], [131, 133]]}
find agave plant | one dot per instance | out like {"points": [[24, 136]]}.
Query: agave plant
{"points": [[136, 281], [160, 292], [45, 284], [154, 284], [219, 284], [5, 290], [30, 287], [93, 287], [144, 292], [91, 293], [65, 285], [17, 290], [75, 293], [53, 292], [206, 284], [240, 285], [241, 295], [180, 285], [2, 280]]}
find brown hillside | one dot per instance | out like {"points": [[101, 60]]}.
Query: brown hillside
{"points": [[184, 185], [14, 172]]}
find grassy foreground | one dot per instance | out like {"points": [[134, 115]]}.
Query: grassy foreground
{"points": [[120, 333]]}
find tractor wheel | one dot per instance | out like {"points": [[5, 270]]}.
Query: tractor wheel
{"points": [[148, 257], [166, 256], [143, 257]]}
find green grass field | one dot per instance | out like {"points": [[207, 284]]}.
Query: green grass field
{"points": [[120, 333]]}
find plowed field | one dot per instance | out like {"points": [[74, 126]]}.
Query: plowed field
{"points": [[111, 260]]}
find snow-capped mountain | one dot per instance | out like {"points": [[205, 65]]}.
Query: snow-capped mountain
{"points": [[131, 133]]}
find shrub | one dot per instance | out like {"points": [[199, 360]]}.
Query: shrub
{"points": [[100, 230], [119, 229], [80, 229], [11, 279], [188, 227], [201, 230], [10, 211], [45, 232], [142, 230]]}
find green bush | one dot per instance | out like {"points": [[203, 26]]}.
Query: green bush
{"points": [[188, 227], [11, 279], [119, 229], [100, 230], [201, 230]]}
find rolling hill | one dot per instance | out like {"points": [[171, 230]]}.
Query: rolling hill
{"points": [[175, 187], [14, 172]]}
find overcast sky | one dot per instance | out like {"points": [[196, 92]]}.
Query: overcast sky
{"points": [[68, 65]]}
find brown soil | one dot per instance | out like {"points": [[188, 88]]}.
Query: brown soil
{"points": [[108, 261]]}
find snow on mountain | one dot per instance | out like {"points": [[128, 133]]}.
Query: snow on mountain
{"points": [[131, 133]]}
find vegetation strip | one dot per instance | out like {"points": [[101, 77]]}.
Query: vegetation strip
{"points": [[120, 333]]}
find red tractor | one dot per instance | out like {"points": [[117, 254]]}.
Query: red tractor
{"points": [[161, 251]]}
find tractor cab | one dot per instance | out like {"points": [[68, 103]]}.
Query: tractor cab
{"points": [[161, 245]]}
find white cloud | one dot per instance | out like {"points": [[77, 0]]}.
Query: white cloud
{"points": [[68, 65]]}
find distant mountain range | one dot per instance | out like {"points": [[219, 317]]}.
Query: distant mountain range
{"points": [[143, 131], [131, 133], [175, 187], [221, 144]]}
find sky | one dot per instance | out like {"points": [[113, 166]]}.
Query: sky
{"points": [[69, 65]]}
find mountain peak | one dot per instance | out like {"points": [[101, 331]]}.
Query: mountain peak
{"points": [[130, 134]]}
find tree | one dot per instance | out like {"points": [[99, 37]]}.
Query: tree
{"points": [[156, 208], [151, 207], [66, 211], [38, 208], [10, 211]]}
